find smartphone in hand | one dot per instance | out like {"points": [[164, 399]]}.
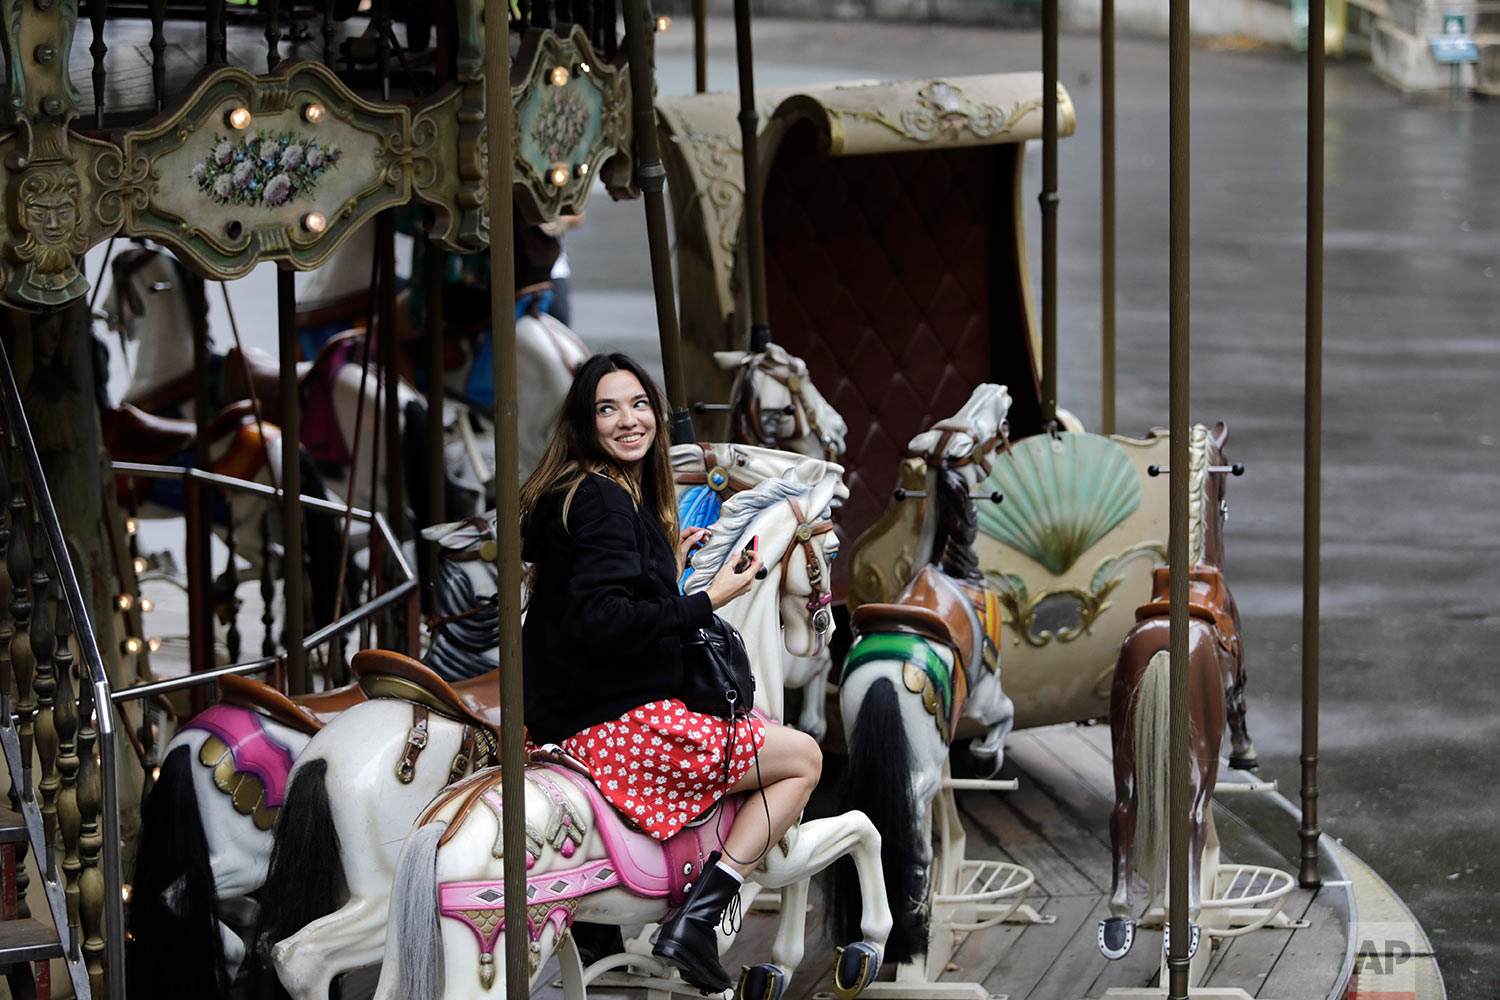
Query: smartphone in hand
{"points": [[747, 555]]}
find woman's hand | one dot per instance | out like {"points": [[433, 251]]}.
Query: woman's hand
{"points": [[730, 582], [688, 539]]}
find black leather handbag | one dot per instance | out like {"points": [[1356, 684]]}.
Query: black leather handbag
{"points": [[716, 667]]}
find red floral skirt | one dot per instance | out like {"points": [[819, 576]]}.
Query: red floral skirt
{"points": [[663, 764]]}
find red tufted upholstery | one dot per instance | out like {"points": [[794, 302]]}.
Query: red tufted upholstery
{"points": [[894, 276]]}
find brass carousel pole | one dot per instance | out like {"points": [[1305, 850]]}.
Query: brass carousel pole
{"points": [[1107, 216], [700, 46], [1177, 769], [437, 470], [1048, 199], [755, 262], [1312, 450], [507, 487], [651, 176], [298, 681]]}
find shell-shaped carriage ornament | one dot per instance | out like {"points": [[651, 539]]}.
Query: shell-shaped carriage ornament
{"points": [[1069, 555]]}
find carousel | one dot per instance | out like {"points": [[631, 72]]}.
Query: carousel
{"points": [[1027, 670]]}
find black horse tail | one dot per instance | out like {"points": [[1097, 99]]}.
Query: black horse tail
{"points": [[181, 935], [878, 782], [305, 877]]}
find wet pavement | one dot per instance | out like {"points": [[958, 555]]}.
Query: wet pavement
{"points": [[1411, 478]]}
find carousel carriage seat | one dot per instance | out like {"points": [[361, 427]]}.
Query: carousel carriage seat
{"points": [[1207, 597], [926, 608], [305, 713], [383, 673]]}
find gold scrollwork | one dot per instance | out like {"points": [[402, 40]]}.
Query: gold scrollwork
{"points": [[944, 112], [1021, 605]]}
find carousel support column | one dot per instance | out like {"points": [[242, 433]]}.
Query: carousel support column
{"points": [[437, 470], [298, 681], [651, 176], [507, 490], [1107, 215], [198, 509], [1312, 429], [700, 46], [216, 47], [1178, 962], [390, 376], [1049, 200], [98, 49], [760, 324]]}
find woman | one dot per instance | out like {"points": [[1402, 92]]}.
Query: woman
{"points": [[603, 652]]}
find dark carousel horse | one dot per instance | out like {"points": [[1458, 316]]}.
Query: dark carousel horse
{"points": [[1139, 707], [917, 667]]}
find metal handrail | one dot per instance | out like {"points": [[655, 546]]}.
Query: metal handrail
{"points": [[114, 908], [343, 624]]}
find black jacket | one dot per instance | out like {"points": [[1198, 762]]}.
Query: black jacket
{"points": [[604, 626]]}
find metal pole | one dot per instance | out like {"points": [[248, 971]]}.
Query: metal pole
{"points": [[390, 373], [1107, 215], [1049, 199], [298, 681], [755, 259], [437, 472], [700, 46], [198, 501], [1312, 453], [507, 490], [651, 176], [1177, 769]]}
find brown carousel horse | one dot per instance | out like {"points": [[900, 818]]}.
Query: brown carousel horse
{"points": [[1140, 697]]}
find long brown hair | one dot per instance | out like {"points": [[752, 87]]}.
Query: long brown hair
{"points": [[575, 451]]}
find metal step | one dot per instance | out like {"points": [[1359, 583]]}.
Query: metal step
{"points": [[27, 941], [12, 827]]}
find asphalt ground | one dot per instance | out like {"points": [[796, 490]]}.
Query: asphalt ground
{"points": [[1411, 424]]}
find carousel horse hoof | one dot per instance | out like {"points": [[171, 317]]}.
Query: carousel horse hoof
{"points": [[760, 982], [1116, 935], [855, 968], [1195, 934], [1245, 762]]}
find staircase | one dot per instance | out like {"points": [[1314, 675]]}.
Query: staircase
{"points": [[26, 944]]}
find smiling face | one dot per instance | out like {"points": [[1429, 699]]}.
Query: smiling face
{"points": [[623, 419]]}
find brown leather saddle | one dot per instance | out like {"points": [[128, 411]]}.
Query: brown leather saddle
{"points": [[1208, 599], [931, 607], [306, 713], [133, 435], [383, 673]]}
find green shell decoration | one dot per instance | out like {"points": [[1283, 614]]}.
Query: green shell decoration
{"points": [[1061, 496]]}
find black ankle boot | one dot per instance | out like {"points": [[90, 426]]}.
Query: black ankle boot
{"points": [[688, 939]]}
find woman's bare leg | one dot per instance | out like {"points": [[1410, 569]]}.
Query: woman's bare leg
{"points": [[790, 764]]}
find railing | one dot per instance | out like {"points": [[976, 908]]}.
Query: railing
{"points": [[405, 590], [79, 790]]}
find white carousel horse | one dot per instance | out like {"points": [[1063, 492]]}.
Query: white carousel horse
{"points": [[706, 474], [596, 869], [775, 404], [207, 828], [361, 752], [920, 665]]}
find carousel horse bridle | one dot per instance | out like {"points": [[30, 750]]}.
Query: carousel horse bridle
{"points": [[979, 456], [803, 413], [807, 530]]}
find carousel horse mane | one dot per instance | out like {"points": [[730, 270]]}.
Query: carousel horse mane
{"points": [[737, 514], [466, 622], [959, 525]]}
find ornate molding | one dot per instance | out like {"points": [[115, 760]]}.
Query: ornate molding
{"points": [[572, 124], [943, 112]]}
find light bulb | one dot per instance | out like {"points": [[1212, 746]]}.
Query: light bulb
{"points": [[238, 119]]}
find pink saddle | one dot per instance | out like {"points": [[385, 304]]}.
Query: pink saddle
{"points": [[636, 862]]}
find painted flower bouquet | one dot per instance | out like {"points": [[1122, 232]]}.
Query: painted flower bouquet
{"points": [[266, 169]]}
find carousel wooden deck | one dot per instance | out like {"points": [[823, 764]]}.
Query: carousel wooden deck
{"points": [[1056, 824]]}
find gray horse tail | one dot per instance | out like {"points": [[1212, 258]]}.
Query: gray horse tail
{"points": [[414, 934], [1153, 719]]}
